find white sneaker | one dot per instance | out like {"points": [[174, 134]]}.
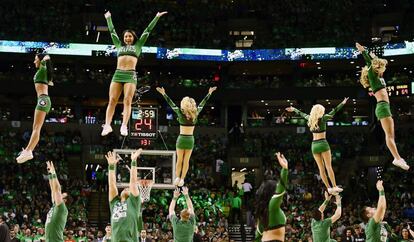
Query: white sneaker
{"points": [[181, 183], [50, 83], [337, 189], [176, 181], [24, 156], [124, 130], [106, 129], [401, 164], [332, 191]]}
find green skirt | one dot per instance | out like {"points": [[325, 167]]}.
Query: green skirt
{"points": [[382, 110], [319, 146], [122, 76], [185, 142]]}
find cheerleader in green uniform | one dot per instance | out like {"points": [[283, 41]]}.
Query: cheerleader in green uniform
{"points": [[372, 77], [125, 77], [187, 117], [42, 80], [271, 220], [320, 147]]}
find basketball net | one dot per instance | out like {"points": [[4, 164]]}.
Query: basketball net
{"points": [[144, 187]]}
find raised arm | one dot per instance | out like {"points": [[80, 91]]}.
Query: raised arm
{"points": [[112, 161], [114, 35], [54, 184], [277, 199], [411, 232], [281, 185], [364, 53], [382, 203], [148, 29], [133, 177], [338, 210], [188, 201], [49, 176], [171, 209], [326, 202], [298, 112], [205, 99], [337, 108], [174, 107]]}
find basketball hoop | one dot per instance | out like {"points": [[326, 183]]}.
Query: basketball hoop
{"points": [[144, 187]]}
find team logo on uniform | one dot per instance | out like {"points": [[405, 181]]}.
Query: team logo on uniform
{"points": [[42, 103], [119, 211]]}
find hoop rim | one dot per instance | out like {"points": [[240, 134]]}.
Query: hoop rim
{"points": [[145, 182]]}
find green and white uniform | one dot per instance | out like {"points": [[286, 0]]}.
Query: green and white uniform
{"points": [[383, 109], [277, 218], [321, 230], [186, 142], [128, 76], [321, 145], [376, 232], [124, 218], [183, 230], [55, 223], [43, 101]]}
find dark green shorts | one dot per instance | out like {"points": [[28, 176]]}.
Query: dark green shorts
{"points": [[383, 110], [125, 76], [319, 146], [43, 103], [185, 142]]}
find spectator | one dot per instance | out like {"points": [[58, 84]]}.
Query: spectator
{"points": [[236, 204], [247, 188], [358, 235], [4, 230]]}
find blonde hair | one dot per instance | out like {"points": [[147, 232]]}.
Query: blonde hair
{"points": [[189, 108], [378, 66], [316, 113], [185, 214]]}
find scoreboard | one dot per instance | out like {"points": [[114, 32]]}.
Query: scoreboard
{"points": [[398, 90], [144, 124]]}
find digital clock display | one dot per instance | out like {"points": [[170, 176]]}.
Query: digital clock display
{"points": [[144, 123], [398, 90]]}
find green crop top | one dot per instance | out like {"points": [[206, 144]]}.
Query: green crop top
{"points": [[131, 50], [323, 120], [182, 119], [277, 218], [41, 74], [376, 83]]}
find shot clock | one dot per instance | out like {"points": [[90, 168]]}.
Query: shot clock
{"points": [[144, 124]]}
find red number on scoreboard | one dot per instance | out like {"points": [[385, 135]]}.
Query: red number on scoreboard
{"points": [[138, 125], [148, 122], [145, 142]]}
